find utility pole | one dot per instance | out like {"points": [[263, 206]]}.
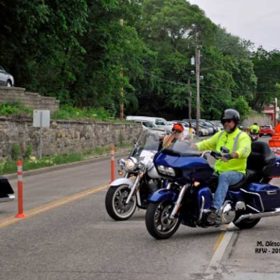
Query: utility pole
{"points": [[197, 75], [121, 99], [190, 98], [121, 90], [275, 111]]}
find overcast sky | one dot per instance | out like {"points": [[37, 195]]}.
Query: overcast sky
{"points": [[254, 20]]}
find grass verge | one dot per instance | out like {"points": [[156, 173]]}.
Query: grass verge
{"points": [[9, 166]]}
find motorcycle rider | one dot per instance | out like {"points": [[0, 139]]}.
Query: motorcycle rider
{"points": [[254, 131], [255, 128], [176, 134], [231, 168]]}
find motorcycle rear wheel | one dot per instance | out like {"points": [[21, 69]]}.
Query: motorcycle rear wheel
{"points": [[158, 223], [115, 203]]}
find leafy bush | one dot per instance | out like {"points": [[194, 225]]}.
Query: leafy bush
{"points": [[27, 152], [67, 112], [14, 109], [15, 152], [32, 162]]}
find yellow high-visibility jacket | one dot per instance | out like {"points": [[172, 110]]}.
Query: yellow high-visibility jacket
{"points": [[237, 141]]}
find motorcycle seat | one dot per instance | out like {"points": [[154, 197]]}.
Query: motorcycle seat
{"points": [[260, 157], [250, 174]]}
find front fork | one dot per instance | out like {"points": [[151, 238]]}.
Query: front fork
{"points": [[178, 202], [134, 189]]}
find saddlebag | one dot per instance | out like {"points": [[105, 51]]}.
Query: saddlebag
{"points": [[264, 197]]}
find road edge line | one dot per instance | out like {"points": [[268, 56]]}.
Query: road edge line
{"points": [[220, 249], [52, 205]]}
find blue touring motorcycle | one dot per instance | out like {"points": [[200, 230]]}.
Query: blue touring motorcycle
{"points": [[192, 182]]}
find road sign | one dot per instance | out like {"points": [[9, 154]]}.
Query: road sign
{"points": [[41, 118]]}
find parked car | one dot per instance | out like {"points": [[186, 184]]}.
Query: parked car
{"points": [[210, 128], [266, 130], [218, 124], [6, 79], [146, 124], [158, 122], [215, 126], [202, 131], [186, 132]]}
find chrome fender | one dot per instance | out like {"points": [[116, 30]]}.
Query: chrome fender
{"points": [[122, 181], [131, 185]]}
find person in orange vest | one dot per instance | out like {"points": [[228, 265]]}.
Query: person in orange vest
{"points": [[176, 134]]}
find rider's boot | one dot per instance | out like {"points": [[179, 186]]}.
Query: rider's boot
{"points": [[213, 217]]}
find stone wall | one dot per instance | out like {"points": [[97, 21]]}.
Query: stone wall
{"points": [[259, 119], [29, 99], [63, 136]]}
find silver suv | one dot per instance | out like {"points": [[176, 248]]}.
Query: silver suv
{"points": [[6, 79]]}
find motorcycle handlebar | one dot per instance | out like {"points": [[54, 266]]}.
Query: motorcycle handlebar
{"points": [[216, 155]]}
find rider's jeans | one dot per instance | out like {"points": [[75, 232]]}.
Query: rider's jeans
{"points": [[225, 180]]}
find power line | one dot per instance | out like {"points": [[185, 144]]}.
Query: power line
{"points": [[166, 81], [202, 86]]}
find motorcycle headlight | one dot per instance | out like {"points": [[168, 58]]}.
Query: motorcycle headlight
{"points": [[130, 164], [169, 171], [121, 163]]}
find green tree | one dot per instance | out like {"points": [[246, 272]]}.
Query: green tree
{"points": [[114, 55], [267, 69], [40, 42], [78, 51], [166, 27]]}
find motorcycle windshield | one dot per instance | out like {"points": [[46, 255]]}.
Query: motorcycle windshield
{"points": [[182, 148], [148, 141]]}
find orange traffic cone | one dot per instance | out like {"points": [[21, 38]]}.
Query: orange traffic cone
{"points": [[274, 142]]}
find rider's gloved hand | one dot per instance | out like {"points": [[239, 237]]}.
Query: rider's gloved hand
{"points": [[193, 146], [226, 157]]}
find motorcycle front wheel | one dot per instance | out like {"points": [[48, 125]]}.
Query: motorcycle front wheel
{"points": [[115, 203], [158, 223]]}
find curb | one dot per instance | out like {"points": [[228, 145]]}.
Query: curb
{"points": [[67, 165]]}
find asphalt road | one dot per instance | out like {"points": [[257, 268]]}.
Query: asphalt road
{"points": [[74, 238], [78, 240]]}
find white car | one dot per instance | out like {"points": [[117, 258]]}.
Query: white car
{"points": [[168, 126], [146, 125], [157, 121], [6, 79], [186, 131]]}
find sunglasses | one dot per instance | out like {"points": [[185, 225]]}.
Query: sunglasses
{"points": [[226, 121], [176, 131]]}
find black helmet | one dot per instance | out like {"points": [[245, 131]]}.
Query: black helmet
{"points": [[231, 114]]}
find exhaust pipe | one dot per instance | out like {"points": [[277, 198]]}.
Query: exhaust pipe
{"points": [[252, 216]]}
